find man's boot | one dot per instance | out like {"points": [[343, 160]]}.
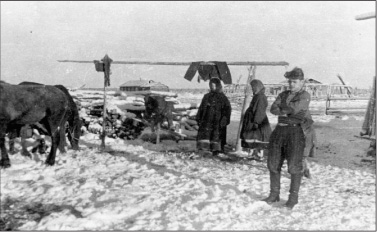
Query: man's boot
{"points": [[293, 191], [274, 188]]}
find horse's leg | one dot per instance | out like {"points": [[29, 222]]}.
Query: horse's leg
{"points": [[4, 162], [24, 151], [62, 138], [58, 134], [153, 125], [70, 137], [75, 130], [55, 139], [12, 135], [23, 133], [169, 118]]}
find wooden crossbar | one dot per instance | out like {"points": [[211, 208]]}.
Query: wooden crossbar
{"points": [[239, 63]]}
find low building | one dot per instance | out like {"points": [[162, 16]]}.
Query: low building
{"points": [[143, 85]]}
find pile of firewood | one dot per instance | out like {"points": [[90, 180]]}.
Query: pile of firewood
{"points": [[127, 121]]}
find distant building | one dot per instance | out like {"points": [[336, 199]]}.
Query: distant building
{"points": [[143, 85]]}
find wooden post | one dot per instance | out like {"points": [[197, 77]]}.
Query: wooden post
{"points": [[369, 124], [348, 90], [158, 133], [246, 102], [104, 114], [106, 63]]}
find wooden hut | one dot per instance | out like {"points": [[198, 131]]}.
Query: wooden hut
{"points": [[143, 85]]}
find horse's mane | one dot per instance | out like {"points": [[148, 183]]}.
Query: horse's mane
{"points": [[3, 82], [74, 111], [29, 83]]}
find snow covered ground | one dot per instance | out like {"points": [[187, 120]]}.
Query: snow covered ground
{"points": [[134, 185]]}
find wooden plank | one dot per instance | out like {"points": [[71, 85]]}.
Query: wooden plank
{"points": [[78, 61], [346, 108], [261, 63], [364, 137], [344, 112], [348, 89], [183, 136], [364, 16], [346, 99], [246, 102], [317, 112], [239, 63], [151, 92]]}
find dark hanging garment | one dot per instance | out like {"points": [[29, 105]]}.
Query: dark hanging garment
{"points": [[208, 71], [224, 72], [191, 71]]}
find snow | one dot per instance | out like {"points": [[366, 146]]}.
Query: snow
{"points": [[166, 190], [134, 185]]}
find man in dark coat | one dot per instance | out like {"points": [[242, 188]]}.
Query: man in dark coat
{"points": [[256, 129], [287, 141], [213, 117]]}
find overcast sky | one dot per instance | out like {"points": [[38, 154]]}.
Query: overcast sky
{"points": [[323, 38]]}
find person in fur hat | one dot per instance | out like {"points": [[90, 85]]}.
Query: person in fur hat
{"points": [[213, 117]]}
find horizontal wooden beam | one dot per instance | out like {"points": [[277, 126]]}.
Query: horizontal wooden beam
{"points": [[347, 108], [346, 99], [240, 63], [259, 63], [77, 61], [369, 15]]}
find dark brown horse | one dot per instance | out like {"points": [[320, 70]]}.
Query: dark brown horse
{"points": [[20, 105], [157, 110], [74, 122]]}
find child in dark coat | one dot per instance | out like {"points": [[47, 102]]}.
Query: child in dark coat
{"points": [[256, 129], [213, 117]]}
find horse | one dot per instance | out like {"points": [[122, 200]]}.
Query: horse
{"points": [[157, 109], [29, 104], [74, 122]]}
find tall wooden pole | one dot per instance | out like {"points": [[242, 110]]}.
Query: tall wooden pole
{"points": [[158, 133], [369, 124], [104, 114], [246, 102], [106, 63]]}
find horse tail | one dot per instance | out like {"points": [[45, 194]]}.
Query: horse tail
{"points": [[73, 116]]}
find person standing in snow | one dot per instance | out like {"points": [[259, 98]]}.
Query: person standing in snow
{"points": [[213, 117], [256, 129], [287, 141]]}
